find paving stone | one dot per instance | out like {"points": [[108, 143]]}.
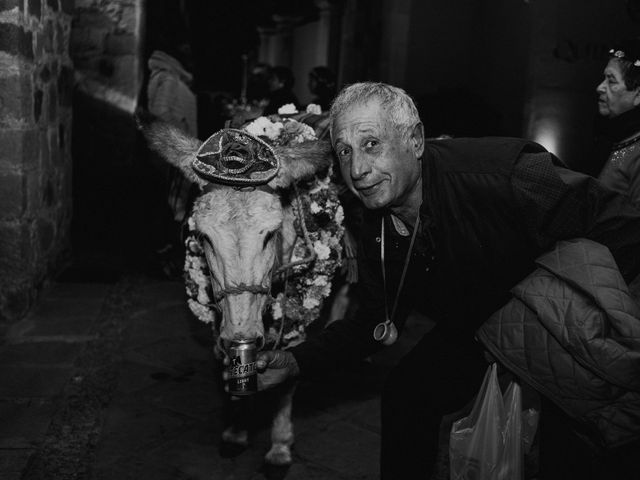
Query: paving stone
{"points": [[183, 396], [40, 353], [309, 471], [343, 448], [24, 422], [178, 353], [85, 291], [367, 415], [13, 461], [33, 381], [131, 427]]}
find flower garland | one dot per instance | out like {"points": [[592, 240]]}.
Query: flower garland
{"points": [[307, 285]]}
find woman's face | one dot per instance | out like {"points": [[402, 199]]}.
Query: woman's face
{"points": [[613, 96]]}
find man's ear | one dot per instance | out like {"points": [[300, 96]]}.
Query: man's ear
{"points": [[416, 139], [636, 97]]}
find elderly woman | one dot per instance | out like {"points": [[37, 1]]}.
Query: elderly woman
{"points": [[618, 100]]}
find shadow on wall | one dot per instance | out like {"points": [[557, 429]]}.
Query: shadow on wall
{"points": [[113, 191], [459, 113]]}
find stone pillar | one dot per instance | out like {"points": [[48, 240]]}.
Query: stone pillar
{"points": [[280, 44], [324, 32], [36, 79]]}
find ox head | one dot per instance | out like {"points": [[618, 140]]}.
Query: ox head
{"points": [[245, 231]]}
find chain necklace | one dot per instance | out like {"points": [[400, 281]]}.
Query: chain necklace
{"points": [[386, 332]]}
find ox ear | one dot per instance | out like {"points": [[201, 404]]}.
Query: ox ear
{"points": [[301, 161], [171, 143]]}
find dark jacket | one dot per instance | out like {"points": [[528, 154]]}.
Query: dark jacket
{"points": [[490, 208], [572, 331]]}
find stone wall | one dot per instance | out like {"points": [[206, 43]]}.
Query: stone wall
{"points": [[106, 49], [36, 80]]}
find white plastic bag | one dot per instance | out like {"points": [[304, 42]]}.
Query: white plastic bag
{"points": [[487, 444]]}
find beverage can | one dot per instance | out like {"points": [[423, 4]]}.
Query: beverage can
{"points": [[243, 376]]}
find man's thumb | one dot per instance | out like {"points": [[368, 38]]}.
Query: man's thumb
{"points": [[264, 359]]}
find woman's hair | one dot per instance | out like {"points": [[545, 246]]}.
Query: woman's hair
{"points": [[285, 75], [628, 56], [399, 106], [325, 81]]}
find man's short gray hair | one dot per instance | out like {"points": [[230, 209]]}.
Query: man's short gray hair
{"points": [[400, 107]]}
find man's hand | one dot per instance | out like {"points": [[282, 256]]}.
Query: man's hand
{"points": [[274, 367]]}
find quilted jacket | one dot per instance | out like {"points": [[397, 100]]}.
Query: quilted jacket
{"points": [[572, 331]]}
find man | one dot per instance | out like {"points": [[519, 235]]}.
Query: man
{"points": [[481, 210], [618, 100]]}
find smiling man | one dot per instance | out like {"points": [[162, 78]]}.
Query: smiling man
{"points": [[618, 100], [450, 227]]}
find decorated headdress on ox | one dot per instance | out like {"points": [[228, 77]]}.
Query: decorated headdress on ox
{"points": [[235, 157]]}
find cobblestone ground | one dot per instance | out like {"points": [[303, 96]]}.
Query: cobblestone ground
{"points": [[117, 381]]}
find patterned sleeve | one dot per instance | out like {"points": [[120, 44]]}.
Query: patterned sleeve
{"points": [[558, 203]]}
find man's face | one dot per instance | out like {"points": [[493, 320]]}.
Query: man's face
{"points": [[613, 96], [378, 165]]}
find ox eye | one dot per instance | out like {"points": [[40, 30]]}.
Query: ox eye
{"points": [[267, 238]]}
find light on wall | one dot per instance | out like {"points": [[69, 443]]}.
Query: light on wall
{"points": [[546, 132]]}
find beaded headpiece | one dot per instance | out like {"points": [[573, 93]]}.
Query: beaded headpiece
{"points": [[235, 157], [621, 54]]}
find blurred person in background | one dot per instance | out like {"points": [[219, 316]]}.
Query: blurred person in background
{"points": [[281, 81], [618, 136], [322, 84]]}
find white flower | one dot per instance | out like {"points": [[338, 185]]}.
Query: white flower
{"points": [[339, 215], [203, 313], [286, 109], [315, 208], [276, 308], [203, 298], [314, 109], [322, 250], [263, 127], [320, 281], [310, 303]]}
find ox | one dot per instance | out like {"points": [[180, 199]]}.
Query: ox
{"points": [[247, 232]]}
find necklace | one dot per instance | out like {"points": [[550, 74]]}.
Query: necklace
{"points": [[386, 332]]}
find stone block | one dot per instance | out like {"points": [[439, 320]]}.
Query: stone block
{"points": [[52, 102], [48, 32], [129, 20], [68, 6], [38, 96], [61, 41], [10, 5], [48, 192], [44, 74], [121, 44], [15, 96], [32, 193], [12, 195], [16, 250], [45, 234], [35, 8], [87, 40], [14, 40], [16, 297], [20, 149], [54, 150]]}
